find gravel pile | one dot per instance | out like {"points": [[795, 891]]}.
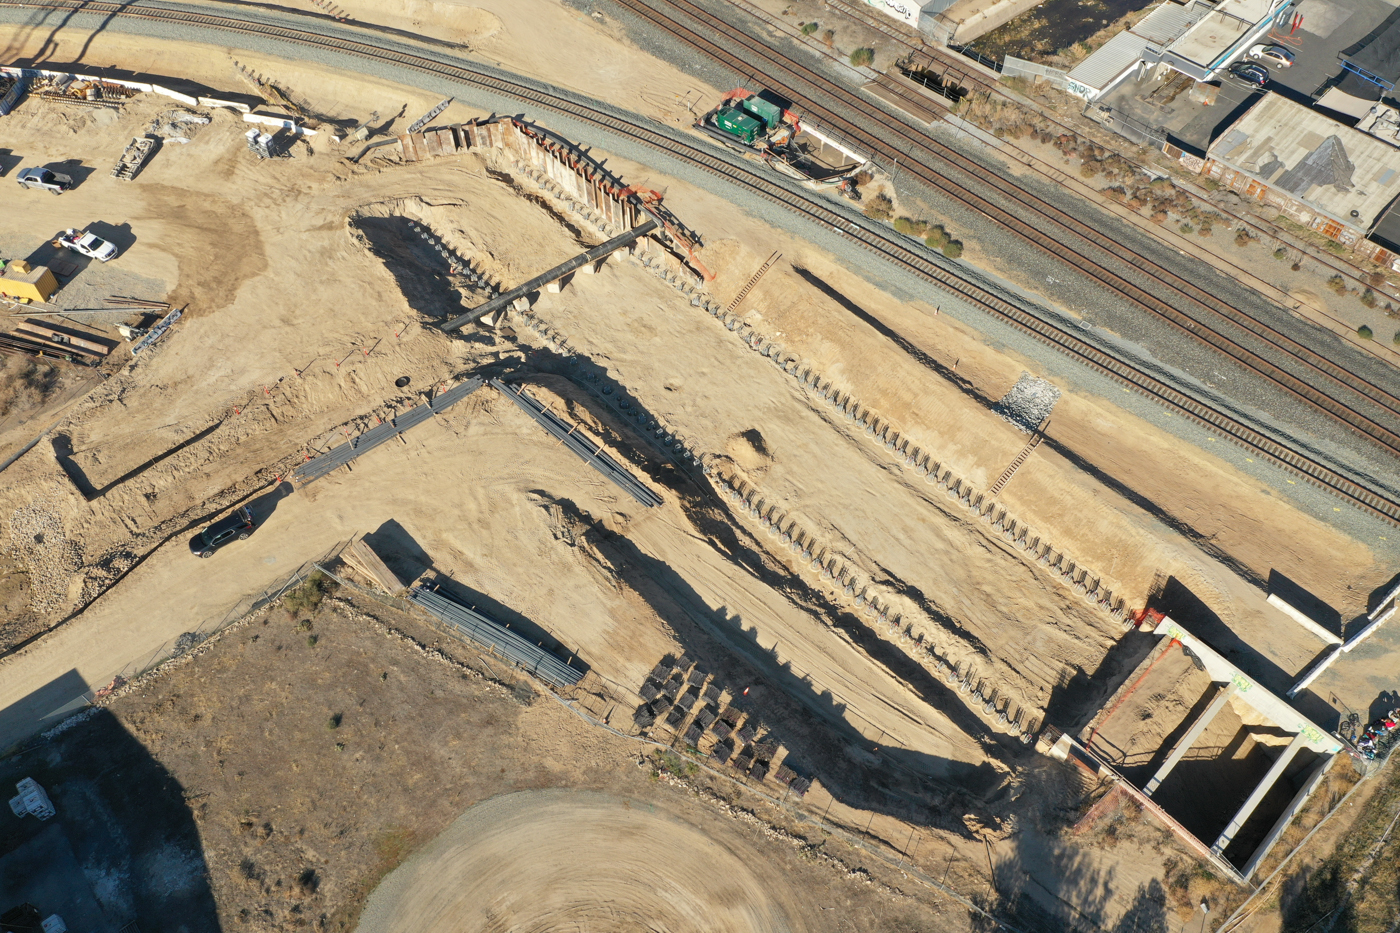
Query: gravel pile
{"points": [[37, 541], [1029, 402]]}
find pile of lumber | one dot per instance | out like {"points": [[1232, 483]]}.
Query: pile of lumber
{"points": [[39, 338], [361, 558]]}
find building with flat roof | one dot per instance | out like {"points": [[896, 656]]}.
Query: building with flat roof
{"points": [[1322, 174], [1223, 35], [1197, 38], [1139, 45]]}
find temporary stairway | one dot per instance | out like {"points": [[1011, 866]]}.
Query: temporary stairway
{"points": [[744, 292], [1015, 465]]}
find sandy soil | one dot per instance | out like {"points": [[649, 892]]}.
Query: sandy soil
{"points": [[295, 338], [243, 760], [541, 860]]}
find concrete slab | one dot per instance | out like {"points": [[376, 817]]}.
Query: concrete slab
{"points": [[45, 872]]}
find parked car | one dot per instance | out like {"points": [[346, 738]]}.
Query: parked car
{"points": [[1250, 73], [90, 245], [1275, 56], [237, 526], [45, 180]]}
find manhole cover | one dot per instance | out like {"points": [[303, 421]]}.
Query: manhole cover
{"points": [[401, 381]]}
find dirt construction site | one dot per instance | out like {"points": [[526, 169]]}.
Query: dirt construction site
{"points": [[810, 606]]}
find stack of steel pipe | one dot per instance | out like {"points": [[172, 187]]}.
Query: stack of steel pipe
{"points": [[137, 304], [23, 344], [500, 640], [568, 433], [337, 457]]}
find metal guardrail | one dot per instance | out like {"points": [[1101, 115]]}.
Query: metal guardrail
{"points": [[493, 635], [318, 467], [592, 453], [976, 56]]}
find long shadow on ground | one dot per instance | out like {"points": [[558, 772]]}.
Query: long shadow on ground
{"points": [[123, 845]]}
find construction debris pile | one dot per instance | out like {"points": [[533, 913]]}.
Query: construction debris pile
{"points": [[71, 90], [178, 126]]}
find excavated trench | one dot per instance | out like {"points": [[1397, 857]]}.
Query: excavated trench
{"points": [[434, 280]]}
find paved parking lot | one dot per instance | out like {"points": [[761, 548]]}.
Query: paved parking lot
{"points": [[1328, 28]]}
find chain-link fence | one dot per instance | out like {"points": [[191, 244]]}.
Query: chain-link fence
{"points": [[1013, 67]]}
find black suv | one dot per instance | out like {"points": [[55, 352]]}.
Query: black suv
{"points": [[238, 525], [1250, 73]]}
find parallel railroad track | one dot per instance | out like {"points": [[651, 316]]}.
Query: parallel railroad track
{"points": [[701, 156], [1319, 382], [974, 79]]}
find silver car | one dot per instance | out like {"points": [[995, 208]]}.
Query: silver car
{"points": [[45, 180], [1275, 56]]}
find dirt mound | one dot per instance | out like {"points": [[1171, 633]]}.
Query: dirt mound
{"points": [[749, 452], [555, 860]]}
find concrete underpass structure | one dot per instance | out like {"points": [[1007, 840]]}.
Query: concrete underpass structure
{"points": [[1225, 762]]}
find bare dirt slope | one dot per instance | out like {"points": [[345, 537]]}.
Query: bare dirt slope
{"points": [[262, 748], [541, 859], [306, 304]]}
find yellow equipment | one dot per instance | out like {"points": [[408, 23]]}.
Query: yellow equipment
{"points": [[20, 280]]}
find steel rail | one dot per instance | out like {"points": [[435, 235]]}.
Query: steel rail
{"points": [[1063, 339], [317, 467], [1353, 419], [961, 64], [593, 454], [1184, 286]]}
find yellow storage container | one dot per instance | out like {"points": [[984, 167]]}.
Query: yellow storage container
{"points": [[26, 282]]}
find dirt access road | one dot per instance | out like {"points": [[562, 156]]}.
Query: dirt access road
{"points": [[298, 337]]}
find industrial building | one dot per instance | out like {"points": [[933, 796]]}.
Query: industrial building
{"points": [[1322, 174], [1197, 39]]}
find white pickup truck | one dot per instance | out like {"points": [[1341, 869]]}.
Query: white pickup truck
{"points": [[90, 245]]}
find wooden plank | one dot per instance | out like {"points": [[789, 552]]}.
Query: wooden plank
{"points": [[368, 561], [63, 337], [42, 339]]}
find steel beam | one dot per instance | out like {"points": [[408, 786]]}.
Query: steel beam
{"points": [[491, 634], [568, 433], [337, 457], [1189, 739]]}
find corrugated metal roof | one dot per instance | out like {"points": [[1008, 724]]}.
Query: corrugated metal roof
{"points": [[1326, 165], [1114, 57], [1169, 21]]}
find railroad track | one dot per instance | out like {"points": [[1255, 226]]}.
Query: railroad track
{"points": [[700, 155], [1367, 410], [976, 80]]}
